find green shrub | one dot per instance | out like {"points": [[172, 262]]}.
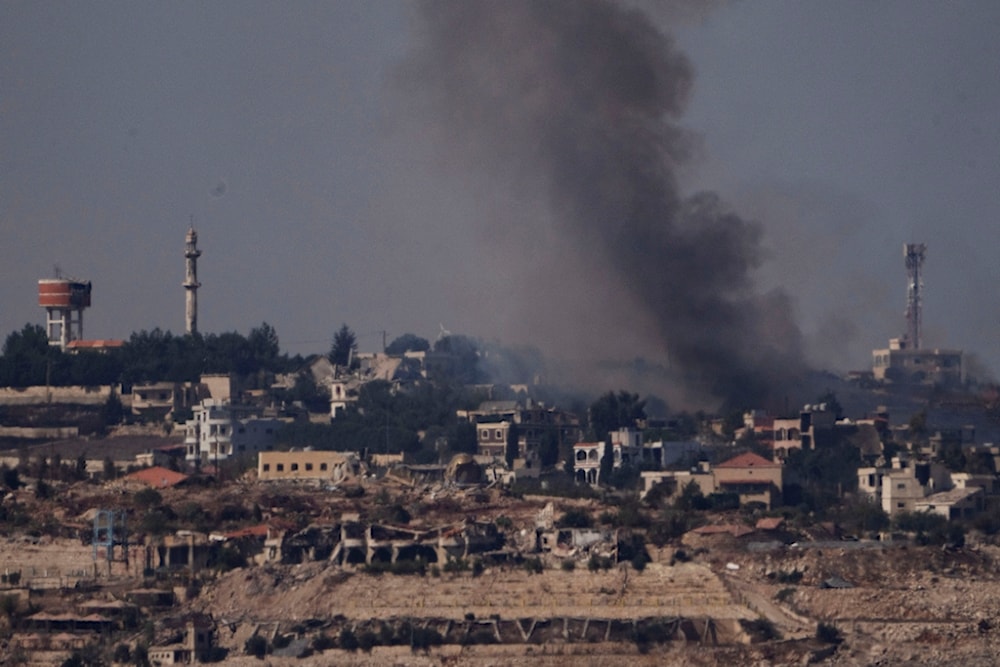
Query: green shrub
{"points": [[367, 640], [575, 518], [760, 629], [784, 594], [456, 565], [347, 640], [534, 565], [828, 633], [256, 646]]}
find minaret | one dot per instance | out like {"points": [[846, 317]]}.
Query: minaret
{"points": [[191, 284], [913, 254]]}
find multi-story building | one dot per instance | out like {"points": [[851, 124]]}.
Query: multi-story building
{"points": [[587, 461], [532, 423], [902, 363], [924, 486], [749, 476], [220, 430], [625, 448]]}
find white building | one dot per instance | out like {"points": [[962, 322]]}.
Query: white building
{"points": [[220, 430]]}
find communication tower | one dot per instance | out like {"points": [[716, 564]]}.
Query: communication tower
{"points": [[110, 537]]}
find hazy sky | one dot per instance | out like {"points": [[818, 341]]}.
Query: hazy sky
{"points": [[846, 128]]}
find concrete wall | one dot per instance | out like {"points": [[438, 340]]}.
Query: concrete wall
{"points": [[97, 395], [39, 433]]}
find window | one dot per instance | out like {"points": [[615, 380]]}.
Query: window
{"points": [[281, 467], [484, 435], [901, 486], [295, 466], [267, 467], [322, 466], [309, 466], [268, 431], [498, 434]]}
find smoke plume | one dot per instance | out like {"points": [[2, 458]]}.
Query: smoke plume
{"points": [[577, 102]]}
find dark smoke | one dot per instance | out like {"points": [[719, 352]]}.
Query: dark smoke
{"points": [[577, 101]]}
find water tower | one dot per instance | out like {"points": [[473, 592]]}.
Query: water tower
{"points": [[63, 300]]}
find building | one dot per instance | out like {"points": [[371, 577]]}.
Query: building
{"points": [[155, 401], [925, 486], [625, 449], [957, 503], [749, 476], [155, 477], [220, 430], [587, 461], [900, 364], [752, 477], [307, 465], [906, 360], [197, 646], [531, 422]]}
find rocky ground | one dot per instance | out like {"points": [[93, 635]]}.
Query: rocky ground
{"points": [[900, 604]]}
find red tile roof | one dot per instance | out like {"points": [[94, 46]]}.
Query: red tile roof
{"points": [[770, 522], [158, 477], [748, 460], [749, 481], [732, 529], [250, 531], [100, 343]]}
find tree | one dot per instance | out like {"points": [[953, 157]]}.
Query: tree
{"points": [[407, 343], [27, 357], [512, 449], [10, 477], [548, 450], [263, 341], [832, 404], [344, 348], [691, 498], [613, 411], [256, 645]]}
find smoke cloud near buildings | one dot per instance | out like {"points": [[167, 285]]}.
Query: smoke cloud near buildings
{"points": [[525, 174], [575, 107]]}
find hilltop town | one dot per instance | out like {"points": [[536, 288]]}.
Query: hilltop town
{"points": [[205, 498]]}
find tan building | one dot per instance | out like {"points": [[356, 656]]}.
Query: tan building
{"points": [[901, 363], [753, 478], [750, 476], [306, 465]]}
